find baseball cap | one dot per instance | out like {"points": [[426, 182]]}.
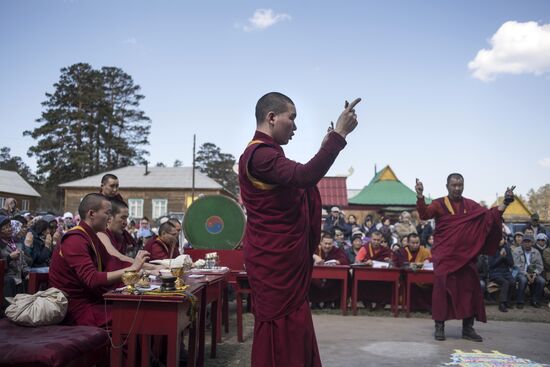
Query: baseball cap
{"points": [[68, 215], [335, 209], [528, 238], [542, 236]]}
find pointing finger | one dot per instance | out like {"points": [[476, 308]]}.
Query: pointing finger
{"points": [[352, 105]]}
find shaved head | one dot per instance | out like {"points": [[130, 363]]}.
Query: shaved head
{"points": [[90, 202], [271, 102], [117, 206], [456, 176]]}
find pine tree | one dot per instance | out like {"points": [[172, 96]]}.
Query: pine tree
{"points": [[218, 166], [91, 123]]}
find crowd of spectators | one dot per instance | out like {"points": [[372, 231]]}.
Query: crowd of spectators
{"points": [[517, 273]]}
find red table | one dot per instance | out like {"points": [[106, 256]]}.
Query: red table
{"points": [[418, 276], [215, 286], [156, 315], [365, 273], [338, 272]]}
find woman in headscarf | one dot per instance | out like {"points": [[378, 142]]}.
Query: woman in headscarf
{"points": [[16, 270]]}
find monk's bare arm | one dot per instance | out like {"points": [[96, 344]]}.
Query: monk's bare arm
{"points": [[114, 252], [269, 165]]}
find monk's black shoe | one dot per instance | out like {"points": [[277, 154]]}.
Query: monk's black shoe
{"points": [[468, 331], [502, 307], [439, 330]]}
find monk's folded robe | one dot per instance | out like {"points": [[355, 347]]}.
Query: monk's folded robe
{"points": [[463, 230], [160, 251], [328, 290], [283, 227], [79, 268]]}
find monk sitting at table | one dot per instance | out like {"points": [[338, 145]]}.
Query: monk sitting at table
{"points": [[327, 290], [165, 246], [414, 253], [116, 238], [83, 269], [377, 292]]}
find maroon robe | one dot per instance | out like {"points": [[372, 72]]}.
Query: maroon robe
{"points": [[328, 290], [121, 242], [79, 268], [160, 251], [283, 228], [463, 230]]}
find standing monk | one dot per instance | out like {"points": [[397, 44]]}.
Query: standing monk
{"points": [[109, 187], [283, 228], [463, 229]]}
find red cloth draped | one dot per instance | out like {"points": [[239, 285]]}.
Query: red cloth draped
{"points": [[458, 239], [283, 208], [74, 269], [160, 251]]}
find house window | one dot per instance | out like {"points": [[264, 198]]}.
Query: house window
{"points": [[135, 207], [2, 202], [25, 205], [160, 208]]}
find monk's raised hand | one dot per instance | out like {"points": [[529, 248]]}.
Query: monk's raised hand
{"points": [[419, 188], [509, 195], [347, 121]]}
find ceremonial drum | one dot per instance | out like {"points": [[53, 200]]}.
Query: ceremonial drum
{"points": [[214, 222]]}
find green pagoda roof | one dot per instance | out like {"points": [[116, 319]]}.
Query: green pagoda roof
{"points": [[385, 189]]}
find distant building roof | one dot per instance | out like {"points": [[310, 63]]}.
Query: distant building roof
{"points": [[333, 191], [385, 189], [515, 212], [157, 178], [11, 182]]}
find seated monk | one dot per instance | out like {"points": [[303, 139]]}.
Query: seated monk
{"points": [[165, 246], [116, 239], [327, 290], [83, 269], [414, 253], [378, 292]]}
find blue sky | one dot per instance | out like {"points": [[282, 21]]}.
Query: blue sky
{"points": [[431, 104]]}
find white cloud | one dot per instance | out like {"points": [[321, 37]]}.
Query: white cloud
{"points": [[517, 48], [263, 19], [545, 162], [131, 41]]}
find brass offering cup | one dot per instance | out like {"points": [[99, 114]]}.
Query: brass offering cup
{"points": [[178, 273], [130, 278]]}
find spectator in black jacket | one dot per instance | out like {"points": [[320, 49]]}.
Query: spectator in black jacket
{"points": [[335, 219], [500, 272], [483, 271]]}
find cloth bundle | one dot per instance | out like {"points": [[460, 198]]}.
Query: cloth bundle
{"points": [[42, 308]]}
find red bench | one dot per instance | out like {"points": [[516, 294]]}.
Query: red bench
{"points": [[53, 345]]}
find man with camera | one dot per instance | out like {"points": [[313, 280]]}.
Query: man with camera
{"points": [[529, 263]]}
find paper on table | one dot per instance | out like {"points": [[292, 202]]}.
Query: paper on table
{"points": [[428, 266], [380, 265]]}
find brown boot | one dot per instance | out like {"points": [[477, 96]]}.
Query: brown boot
{"points": [[439, 330], [468, 331]]}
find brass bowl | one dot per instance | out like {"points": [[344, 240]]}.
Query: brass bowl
{"points": [[130, 278], [178, 273]]}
